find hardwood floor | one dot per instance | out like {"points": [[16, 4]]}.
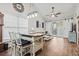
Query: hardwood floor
{"points": [[59, 47], [55, 47]]}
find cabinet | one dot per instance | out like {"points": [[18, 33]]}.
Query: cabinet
{"points": [[72, 37]]}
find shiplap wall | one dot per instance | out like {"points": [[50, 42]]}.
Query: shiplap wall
{"points": [[14, 24]]}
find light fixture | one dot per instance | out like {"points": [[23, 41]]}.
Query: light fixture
{"points": [[32, 14], [28, 17], [53, 15], [35, 14]]}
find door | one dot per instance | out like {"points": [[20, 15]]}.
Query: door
{"points": [[54, 29], [60, 29]]}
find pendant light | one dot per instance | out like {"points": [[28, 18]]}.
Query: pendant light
{"points": [[32, 14], [36, 14]]}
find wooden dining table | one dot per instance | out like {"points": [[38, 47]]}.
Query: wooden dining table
{"points": [[35, 37]]}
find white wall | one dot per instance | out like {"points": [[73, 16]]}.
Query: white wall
{"points": [[62, 29], [14, 24], [13, 21], [32, 24], [67, 27], [49, 27]]}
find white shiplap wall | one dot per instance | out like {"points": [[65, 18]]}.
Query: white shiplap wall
{"points": [[14, 24]]}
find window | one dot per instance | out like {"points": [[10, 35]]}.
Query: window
{"points": [[37, 24], [42, 24]]}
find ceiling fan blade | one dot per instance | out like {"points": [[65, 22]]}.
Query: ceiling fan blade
{"points": [[52, 14], [56, 16], [57, 13]]}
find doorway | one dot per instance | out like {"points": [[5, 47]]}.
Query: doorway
{"points": [[58, 29], [54, 29]]}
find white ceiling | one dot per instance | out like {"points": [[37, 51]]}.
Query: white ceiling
{"points": [[66, 9], [8, 8]]}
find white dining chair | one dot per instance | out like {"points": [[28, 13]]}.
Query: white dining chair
{"points": [[16, 45], [12, 43], [20, 49]]}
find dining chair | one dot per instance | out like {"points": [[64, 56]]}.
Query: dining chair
{"points": [[19, 48], [22, 45], [12, 43]]}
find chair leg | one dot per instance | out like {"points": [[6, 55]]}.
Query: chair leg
{"points": [[11, 51], [21, 50]]}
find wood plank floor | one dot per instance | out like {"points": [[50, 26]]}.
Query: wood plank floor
{"points": [[54, 47], [59, 47]]}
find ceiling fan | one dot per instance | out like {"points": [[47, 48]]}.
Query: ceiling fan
{"points": [[52, 14]]}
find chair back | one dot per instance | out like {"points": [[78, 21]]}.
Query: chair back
{"points": [[12, 39], [12, 43], [17, 37]]}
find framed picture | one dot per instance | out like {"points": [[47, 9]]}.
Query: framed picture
{"points": [[37, 24], [42, 24]]}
